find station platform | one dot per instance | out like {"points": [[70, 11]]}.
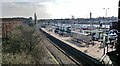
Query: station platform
{"points": [[92, 50]]}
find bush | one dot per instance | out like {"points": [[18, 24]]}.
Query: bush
{"points": [[22, 38]]}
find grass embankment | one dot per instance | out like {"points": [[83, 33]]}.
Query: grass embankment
{"points": [[24, 46]]}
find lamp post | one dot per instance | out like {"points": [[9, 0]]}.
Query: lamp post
{"points": [[106, 9]]}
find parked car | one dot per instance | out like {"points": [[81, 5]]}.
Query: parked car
{"points": [[112, 34]]}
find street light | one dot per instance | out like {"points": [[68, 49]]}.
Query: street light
{"points": [[106, 9]]}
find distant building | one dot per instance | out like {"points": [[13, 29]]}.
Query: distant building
{"points": [[9, 23], [79, 20]]}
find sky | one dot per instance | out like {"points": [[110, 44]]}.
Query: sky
{"points": [[56, 9]]}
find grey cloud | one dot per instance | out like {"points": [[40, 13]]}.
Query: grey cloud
{"points": [[26, 9]]}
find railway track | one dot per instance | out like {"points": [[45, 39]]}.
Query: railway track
{"points": [[73, 53], [58, 59], [77, 63]]}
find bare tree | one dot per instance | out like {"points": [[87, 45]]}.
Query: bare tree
{"points": [[22, 38]]}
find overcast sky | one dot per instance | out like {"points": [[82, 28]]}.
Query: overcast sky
{"points": [[59, 8]]}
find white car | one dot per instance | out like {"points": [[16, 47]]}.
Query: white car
{"points": [[112, 34]]}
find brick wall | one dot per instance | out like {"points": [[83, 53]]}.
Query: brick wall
{"points": [[9, 23]]}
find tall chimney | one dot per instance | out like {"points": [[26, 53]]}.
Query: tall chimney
{"points": [[90, 15], [35, 18]]}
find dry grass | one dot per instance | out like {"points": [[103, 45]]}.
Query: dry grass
{"points": [[20, 58]]}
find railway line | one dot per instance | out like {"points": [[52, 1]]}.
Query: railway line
{"points": [[77, 63], [73, 53], [50, 44]]}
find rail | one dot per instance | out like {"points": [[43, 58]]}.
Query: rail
{"points": [[76, 54]]}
